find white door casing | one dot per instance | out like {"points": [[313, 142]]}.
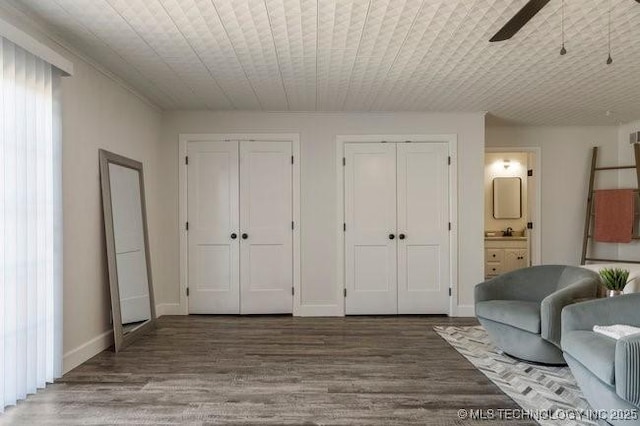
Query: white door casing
{"points": [[370, 218], [422, 201], [213, 216], [266, 257], [534, 197], [423, 228], [185, 163]]}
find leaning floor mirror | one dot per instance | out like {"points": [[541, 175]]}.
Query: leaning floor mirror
{"points": [[125, 223]]}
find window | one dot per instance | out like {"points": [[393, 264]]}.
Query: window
{"points": [[30, 225]]}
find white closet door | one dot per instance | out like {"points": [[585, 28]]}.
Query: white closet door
{"points": [[423, 220], [266, 252], [370, 214], [213, 217]]}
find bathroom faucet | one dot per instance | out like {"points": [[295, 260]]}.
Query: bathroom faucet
{"points": [[508, 232]]}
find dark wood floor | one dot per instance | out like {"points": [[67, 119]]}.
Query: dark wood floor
{"points": [[272, 370]]}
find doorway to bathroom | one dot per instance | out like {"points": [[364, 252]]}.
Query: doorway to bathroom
{"points": [[512, 209]]}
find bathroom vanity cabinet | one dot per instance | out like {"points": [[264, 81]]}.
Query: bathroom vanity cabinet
{"points": [[504, 254]]}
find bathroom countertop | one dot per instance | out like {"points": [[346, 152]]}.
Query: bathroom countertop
{"points": [[501, 238]]}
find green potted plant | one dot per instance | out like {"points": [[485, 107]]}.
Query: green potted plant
{"points": [[614, 279]]}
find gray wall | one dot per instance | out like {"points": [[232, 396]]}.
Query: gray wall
{"points": [[318, 185], [564, 179]]}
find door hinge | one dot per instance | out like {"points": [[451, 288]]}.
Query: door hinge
{"points": [[186, 226], [293, 225], [344, 227], [449, 226], [186, 160], [345, 292], [449, 291], [529, 225], [449, 160], [293, 291], [530, 172], [187, 291], [292, 159], [344, 161]]}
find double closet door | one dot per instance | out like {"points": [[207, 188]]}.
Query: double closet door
{"points": [[396, 228], [240, 238]]}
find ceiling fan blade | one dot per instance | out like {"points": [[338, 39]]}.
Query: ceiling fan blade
{"points": [[519, 20]]}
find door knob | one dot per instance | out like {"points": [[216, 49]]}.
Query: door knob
{"points": [[402, 236], [245, 236], [391, 236], [234, 236]]}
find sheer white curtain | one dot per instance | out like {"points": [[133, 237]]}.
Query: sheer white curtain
{"points": [[30, 225]]}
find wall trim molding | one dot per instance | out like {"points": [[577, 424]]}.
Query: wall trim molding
{"points": [[320, 311], [465, 311], [93, 347], [87, 350], [37, 24], [168, 309]]}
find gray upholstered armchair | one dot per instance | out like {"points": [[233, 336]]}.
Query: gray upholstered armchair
{"points": [[607, 370], [521, 309]]}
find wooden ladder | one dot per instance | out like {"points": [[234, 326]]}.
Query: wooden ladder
{"points": [[590, 202]]}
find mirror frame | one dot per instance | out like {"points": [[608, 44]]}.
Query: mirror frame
{"points": [[122, 340], [493, 182]]}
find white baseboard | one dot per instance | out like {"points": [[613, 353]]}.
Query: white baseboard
{"points": [[308, 310], [168, 309], [87, 350], [336, 311], [319, 311], [464, 311]]}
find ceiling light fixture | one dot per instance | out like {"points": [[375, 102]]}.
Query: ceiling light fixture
{"points": [[609, 59], [563, 51], [528, 11], [506, 164]]}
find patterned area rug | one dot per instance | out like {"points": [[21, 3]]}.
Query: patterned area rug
{"points": [[539, 390]]}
